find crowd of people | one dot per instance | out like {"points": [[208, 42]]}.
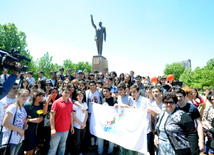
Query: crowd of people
{"points": [[53, 115]]}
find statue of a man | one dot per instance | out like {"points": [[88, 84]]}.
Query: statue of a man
{"points": [[100, 31]]}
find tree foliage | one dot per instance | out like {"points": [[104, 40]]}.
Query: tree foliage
{"points": [[176, 69], [10, 37], [200, 77]]}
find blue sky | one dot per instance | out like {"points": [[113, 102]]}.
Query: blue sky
{"points": [[142, 35]]}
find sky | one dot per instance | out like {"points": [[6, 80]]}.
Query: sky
{"points": [[142, 35]]}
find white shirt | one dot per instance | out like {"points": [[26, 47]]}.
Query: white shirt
{"points": [[144, 103], [2, 78], [79, 114], [4, 104], [128, 100], [21, 115], [31, 80], [157, 107], [93, 97]]}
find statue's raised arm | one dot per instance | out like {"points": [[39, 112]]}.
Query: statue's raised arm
{"points": [[92, 22]]}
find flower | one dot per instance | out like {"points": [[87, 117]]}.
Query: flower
{"points": [[39, 112]]}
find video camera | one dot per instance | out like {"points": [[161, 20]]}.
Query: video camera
{"points": [[8, 60]]}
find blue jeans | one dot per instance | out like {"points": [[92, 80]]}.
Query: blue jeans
{"points": [[58, 140], [13, 150], [207, 149], [100, 142]]}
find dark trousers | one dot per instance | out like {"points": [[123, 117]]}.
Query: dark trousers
{"points": [[79, 136]]}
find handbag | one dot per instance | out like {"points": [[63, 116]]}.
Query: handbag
{"points": [[5, 149]]}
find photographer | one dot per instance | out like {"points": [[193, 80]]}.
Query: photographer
{"points": [[8, 84]]}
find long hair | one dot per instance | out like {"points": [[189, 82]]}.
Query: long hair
{"points": [[19, 93], [38, 92], [24, 80]]}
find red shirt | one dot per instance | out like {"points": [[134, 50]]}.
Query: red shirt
{"points": [[63, 114]]}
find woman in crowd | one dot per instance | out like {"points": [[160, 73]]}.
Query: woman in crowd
{"points": [[24, 84], [75, 82], [41, 84], [127, 79], [121, 77], [175, 132], [208, 117], [14, 122], [48, 86], [58, 77], [116, 81], [32, 88], [86, 75], [59, 84], [32, 134], [198, 101], [46, 132]]}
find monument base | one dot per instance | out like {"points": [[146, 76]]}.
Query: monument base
{"points": [[99, 63]]}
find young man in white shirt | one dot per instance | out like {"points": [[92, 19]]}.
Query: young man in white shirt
{"points": [[92, 95], [145, 104], [5, 102], [80, 119], [30, 78]]}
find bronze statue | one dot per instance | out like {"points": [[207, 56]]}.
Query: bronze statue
{"points": [[100, 31]]}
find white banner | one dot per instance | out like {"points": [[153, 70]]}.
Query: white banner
{"points": [[122, 126]]}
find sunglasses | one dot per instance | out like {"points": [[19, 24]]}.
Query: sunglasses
{"points": [[169, 102]]}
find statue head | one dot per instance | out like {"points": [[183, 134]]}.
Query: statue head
{"points": [[100, 23]]}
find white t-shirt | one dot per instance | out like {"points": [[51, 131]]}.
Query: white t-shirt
{"points": [[157, 107], [144, 103], [93, 98], [79, 114], [4, 104], [128, 100], [21, 115]]}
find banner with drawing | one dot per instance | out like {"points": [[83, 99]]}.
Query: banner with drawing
{"points": [[122, 126]]}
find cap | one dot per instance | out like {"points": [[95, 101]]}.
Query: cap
{"points": [[41, 72], [79, 72], [91, 74]]}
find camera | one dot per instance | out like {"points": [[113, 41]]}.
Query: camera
{"points": [[8, 60]]}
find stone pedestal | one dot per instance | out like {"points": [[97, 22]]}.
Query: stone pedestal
{"points": [[99, 63]]}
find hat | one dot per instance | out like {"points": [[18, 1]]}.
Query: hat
{"points": [[4, 69], [41, 72], [80, 72], [91, 74], [96, 71]]}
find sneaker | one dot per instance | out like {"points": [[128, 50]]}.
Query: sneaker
{"points": [[92, 141]]}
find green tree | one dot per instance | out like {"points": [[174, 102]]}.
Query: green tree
{"points": [[176, 69], [45, 64], [85, 66], [186, 77], [10, 37]]}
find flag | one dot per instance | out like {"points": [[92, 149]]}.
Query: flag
{"points": [[123, 126]]}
